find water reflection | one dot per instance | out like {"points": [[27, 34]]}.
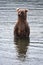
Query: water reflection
{"points": [[22, 46]]}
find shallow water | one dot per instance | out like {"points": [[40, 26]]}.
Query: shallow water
{"points": [[21, 51]]}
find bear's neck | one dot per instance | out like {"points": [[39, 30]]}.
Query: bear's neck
{"points": [[21, 19]]}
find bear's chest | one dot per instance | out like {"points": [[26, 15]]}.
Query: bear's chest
{"points": [[21, 27]]}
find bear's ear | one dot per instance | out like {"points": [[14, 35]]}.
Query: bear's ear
{"points": [[26, 10], [17, 9]]}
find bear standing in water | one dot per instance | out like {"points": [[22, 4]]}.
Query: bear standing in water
{"points": [[22, 28]]}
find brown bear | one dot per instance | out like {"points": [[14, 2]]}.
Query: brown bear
{"points": [[22, 28]]}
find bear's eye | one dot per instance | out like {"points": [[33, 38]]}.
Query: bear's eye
{"points": [[22, 12]]}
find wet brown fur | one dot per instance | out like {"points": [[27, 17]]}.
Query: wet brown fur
{"points": [[22, 28]]}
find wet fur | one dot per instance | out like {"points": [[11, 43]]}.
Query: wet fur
{"points": [[22, 28]]}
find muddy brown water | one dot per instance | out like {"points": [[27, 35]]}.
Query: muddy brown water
{"points": [[21, 51]]}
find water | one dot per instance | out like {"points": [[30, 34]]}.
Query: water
{"points": [[21, 51]]}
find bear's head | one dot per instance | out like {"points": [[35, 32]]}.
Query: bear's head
{"points": [[22, 13]]}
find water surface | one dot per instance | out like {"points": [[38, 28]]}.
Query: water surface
{"points": [[21, 51]]}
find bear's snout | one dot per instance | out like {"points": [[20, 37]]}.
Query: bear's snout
{"points": [[21, 13]]}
